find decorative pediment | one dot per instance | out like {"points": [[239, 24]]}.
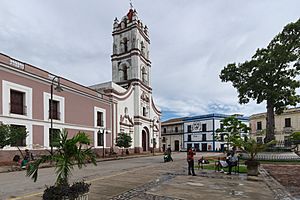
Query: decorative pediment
{"points": [[126, 121], [145, 97]]}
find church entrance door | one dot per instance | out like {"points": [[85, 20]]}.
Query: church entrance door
{"points": [[145, 137]]}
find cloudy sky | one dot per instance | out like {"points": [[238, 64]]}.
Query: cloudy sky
{"points": [[191, 41]]}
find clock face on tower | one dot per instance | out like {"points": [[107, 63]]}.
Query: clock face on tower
{"points": [[196, 126]]}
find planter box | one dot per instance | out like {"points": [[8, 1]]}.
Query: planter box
{"points": [[80, 197], [83, 197], [252, 167]]}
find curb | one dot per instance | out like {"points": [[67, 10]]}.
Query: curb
{"points": [[279, 191], [17, 169]]}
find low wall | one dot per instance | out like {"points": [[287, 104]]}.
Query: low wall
{"points": [[6, 156]]}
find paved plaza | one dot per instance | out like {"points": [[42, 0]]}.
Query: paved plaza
{"points": [[150, 178]]}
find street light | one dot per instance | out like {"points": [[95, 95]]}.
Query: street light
{"points": [[58, 88], [101, 133], [153, 139]]}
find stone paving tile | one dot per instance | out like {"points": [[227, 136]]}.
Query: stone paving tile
{"points": [[201, 187], [140, 192], [280, 192], [207, 185]]}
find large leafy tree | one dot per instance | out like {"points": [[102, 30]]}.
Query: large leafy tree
{"points": [[70, 152], [270, 75]]}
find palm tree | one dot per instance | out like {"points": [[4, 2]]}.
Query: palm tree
{"points": [[70, 152]]}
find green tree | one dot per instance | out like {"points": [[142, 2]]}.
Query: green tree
{"points": [[295, 139], [11, 135], [270, 75], [70, 152], [232, 129], [123, 141]]}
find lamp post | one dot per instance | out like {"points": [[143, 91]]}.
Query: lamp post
{"points": [[101, 133], [153, 139], [58, 88]]}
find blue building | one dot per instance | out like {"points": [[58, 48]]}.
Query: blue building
{"points": [[200, 131]]}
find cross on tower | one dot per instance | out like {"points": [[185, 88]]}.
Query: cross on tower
{"points": [[131, 6]]}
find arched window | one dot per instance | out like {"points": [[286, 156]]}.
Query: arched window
{"points": [[144, 75], [142, 48], [125, 43], [125, 75], [123, 72]]}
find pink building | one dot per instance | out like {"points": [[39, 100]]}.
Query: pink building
{"points": [[123, 105], [25, 101]]}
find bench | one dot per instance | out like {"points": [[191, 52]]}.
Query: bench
{"points": [[235, 165], [201, 162]]}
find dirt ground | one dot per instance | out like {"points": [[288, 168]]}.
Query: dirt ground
{"points": [[286, 175]]}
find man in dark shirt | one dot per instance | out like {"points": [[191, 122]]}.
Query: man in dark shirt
{"points": [[169, 153], [190, 160]]}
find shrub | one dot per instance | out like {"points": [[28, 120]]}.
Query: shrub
{"points": [[64, 191]]}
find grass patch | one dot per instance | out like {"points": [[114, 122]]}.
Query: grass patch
{"points": [[242, 168], [211, 166]]}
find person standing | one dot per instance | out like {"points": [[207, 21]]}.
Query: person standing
{"points": [[27, 158], [169, 153], [190, 160]]}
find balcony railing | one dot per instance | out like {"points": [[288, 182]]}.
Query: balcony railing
{"points": [[55, 115], [287, 130], [17, 109], [100, 123], [173, 131]]}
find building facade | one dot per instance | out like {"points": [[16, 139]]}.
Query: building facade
{"points": [[172, 134], [124, 105], [200, 132], [285, 124]]}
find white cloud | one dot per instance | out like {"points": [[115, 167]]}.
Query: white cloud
{"points": [[191, 41]]}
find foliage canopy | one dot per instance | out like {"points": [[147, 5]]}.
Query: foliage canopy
{"points": [[232, 129], [10, 135], [270, 74], [124, 140], [69, 153]]}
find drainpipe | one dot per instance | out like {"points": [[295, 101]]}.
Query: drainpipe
{"points": [[214, 134]]}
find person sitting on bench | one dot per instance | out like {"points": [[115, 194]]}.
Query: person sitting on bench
{"points": [[231, 161]]}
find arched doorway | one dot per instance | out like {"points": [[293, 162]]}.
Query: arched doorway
{"points": [[145, 139], [176, 145]]}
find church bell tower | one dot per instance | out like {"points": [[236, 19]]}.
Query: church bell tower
{"points": [[130, 58]]}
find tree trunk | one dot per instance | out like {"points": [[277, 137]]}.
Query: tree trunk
{"points": [[20, 152], [270, 134]]}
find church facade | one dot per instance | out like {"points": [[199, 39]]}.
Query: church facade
{"points": [[123, 105]]}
